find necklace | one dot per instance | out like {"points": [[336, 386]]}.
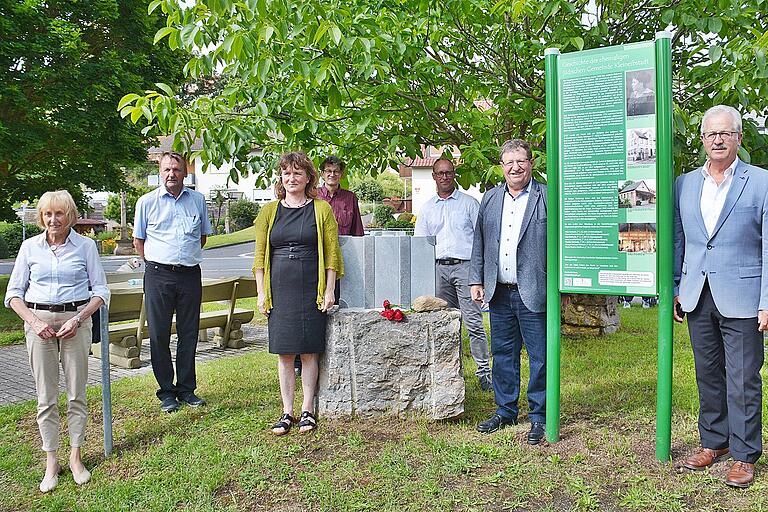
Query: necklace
{"points": [[289, 205]]}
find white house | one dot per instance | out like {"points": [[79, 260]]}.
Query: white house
{"points": [[422, 184], [213, 178]]}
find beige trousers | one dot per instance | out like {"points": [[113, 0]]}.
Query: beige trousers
{"points": [[44, 358]]}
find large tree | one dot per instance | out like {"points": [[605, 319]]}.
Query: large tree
{"points": [[375, 79], [64, 64]]}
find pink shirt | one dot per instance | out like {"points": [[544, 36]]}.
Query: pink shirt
{"points": [[345, 209]]}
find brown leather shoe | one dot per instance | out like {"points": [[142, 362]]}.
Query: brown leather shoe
{"points": [[704, 458], [741, 474]]}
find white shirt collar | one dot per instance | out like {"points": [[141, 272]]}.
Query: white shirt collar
{"points": [[453, 195], [728, 172], [526, 190], [72, 237]]}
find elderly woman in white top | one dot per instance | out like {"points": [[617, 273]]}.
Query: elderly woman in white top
{"points": [[56, 285]]}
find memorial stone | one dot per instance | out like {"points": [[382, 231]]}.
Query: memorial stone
{"points": [[374, 367]]}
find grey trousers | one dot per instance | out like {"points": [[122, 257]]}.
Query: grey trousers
{"points": [[453, 287], [44, 358]]}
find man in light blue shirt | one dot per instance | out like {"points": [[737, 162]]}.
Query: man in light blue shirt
{"points": [[450, 216], [169, 232]]}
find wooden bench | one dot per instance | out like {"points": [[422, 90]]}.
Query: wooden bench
{"points": [[127, 304]]}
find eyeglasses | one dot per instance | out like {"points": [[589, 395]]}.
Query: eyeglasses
{"points": [[334, 173], [450, 174], [520, 163], [710, 136]]}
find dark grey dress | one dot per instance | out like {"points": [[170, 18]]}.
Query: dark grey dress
{"points": [[296, 326]]}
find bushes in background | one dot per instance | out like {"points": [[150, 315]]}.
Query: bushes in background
{"points": [[11, 234]]}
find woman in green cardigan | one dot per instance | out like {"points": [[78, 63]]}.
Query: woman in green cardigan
{"points": [[296, 263]]}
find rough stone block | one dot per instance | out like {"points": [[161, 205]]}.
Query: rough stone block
{"points": [[236, 324], [592, 315], [373, 367], [236, 334], [428, 303]]}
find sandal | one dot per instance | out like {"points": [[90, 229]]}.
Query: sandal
{"points": [[308, 422], [285, 422]]}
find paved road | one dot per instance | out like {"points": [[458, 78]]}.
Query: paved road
{"points": [[218, 262]]}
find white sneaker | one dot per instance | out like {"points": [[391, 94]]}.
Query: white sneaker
{"points": [[627, 305]]}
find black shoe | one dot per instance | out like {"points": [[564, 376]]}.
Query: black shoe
{"points": [[192, 400], [485, 382], [536, 434], [494, 423], [169, 404]]}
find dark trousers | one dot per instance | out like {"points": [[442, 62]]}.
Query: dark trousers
{"points": [[513, 324], [165, 292], [728, 353]]}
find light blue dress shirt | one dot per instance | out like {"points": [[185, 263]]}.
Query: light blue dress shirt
{"points": [[172, 227], [452, 220], [45, 276]]}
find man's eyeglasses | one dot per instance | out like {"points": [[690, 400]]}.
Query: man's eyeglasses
{"points": [[450, 174], [710, 136], [334, 173], [520, 163]]}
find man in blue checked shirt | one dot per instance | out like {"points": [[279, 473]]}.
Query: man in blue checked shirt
{"points": [[169, 231], [450, 216]]}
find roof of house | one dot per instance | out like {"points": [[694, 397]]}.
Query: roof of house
{"points": [[633, 186], [165, 143], [90, 222]]}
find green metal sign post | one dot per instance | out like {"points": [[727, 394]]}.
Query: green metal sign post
{"points": [[610, 197]]}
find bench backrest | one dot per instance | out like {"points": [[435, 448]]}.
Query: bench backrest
{"points": [[124, 304]]}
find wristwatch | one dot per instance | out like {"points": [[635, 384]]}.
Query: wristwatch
{"points": [[79, 319]]}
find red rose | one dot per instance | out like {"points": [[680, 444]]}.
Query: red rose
{"points": [[389, 314], [386, 304], [398, 316]]}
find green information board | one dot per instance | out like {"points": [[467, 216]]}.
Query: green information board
{"points": [[607, 106], [609, 185]]}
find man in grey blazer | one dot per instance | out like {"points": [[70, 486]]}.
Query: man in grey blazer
{"points": [[721, 282], [508, 270]]}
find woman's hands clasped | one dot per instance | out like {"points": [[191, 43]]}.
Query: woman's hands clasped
{"points": [[69, 329], [42, 329]]}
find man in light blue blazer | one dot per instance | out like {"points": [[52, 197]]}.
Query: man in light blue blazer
{"points": [[721, 282], [508, 270]]}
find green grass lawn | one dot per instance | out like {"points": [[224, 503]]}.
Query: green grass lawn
{"points": [[244, 235], [223, 457]]}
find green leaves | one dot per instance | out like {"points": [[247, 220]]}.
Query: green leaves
{"points": [[163, 32], [375, 82]]}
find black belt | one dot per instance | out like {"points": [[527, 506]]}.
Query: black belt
{"points": [[58, 308], [506, 286], [174, 268], [449, 261]]}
